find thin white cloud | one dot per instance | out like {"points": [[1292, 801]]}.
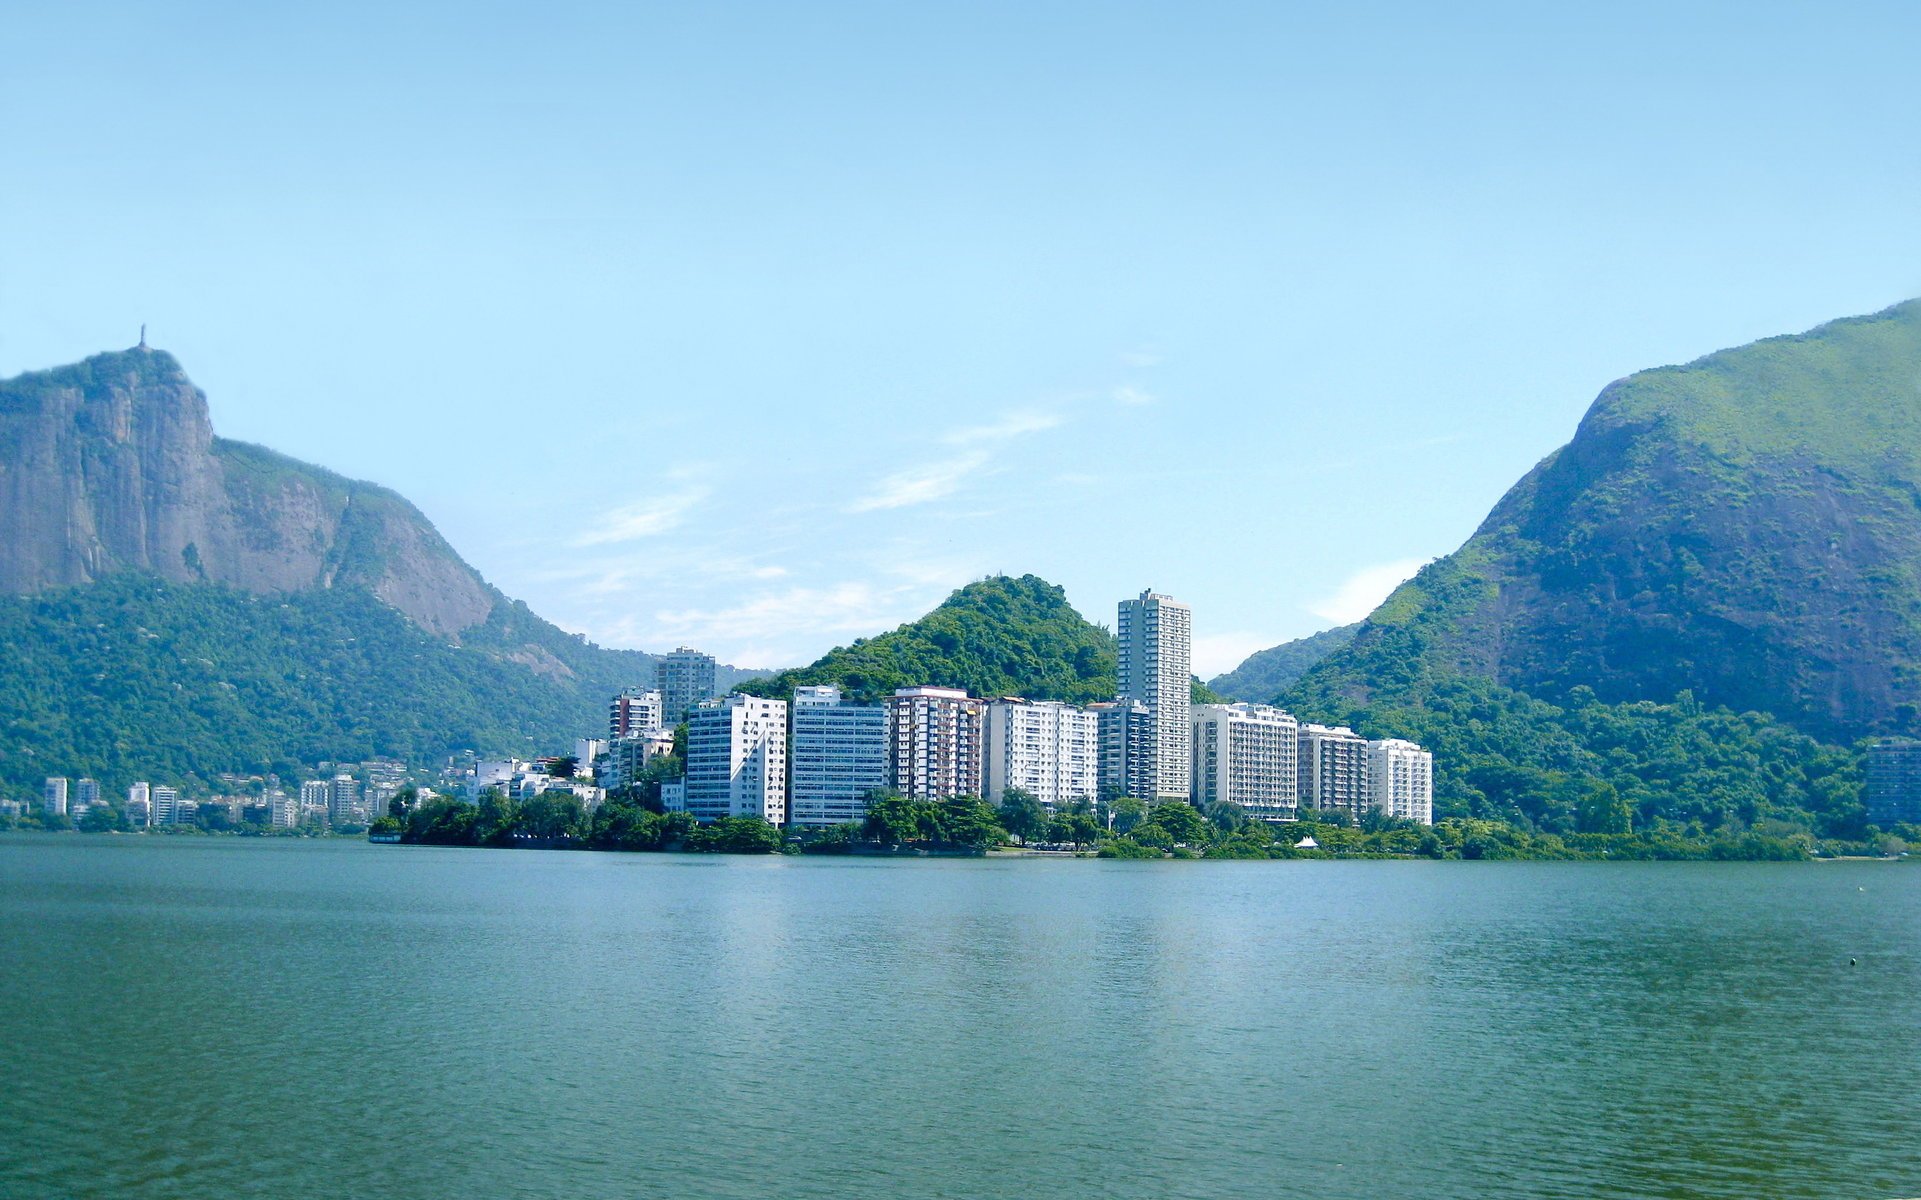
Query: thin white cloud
{"points": [[920, 485], [1141, 358], [1132, 396], [645, 519], [1362, 592], [1013, 425]]}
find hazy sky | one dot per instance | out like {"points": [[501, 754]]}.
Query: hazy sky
{"points": [[760, 327]]}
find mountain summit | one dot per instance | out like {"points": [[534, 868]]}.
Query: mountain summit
{"points": [[111, 465], [1746, 527]]}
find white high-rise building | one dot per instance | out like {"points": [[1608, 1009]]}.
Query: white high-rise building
{"points": [[634, 713], [737, 759], [140, 806], [934, 742], [344, 806], [86, 794], [686, 678], [839, 757], [1156, 635], [167, 806], [1247, 754], [1049, 750], [1333, 769], [53, 797], [1400, 780]]}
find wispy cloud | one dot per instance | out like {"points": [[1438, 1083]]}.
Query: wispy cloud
{"points": [[644, 519], [1132, 396], [1013, 425], [944, 476], [1141, 357], [1362, 592], [919, 485]]}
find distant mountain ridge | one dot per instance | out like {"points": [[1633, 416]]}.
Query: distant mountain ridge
{"points": [[1264, 674], [127, 526]]}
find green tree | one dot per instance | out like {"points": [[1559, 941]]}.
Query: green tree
{"points": [[1126, 812], [1601, 809], [1180, 822], [1021, 814]]}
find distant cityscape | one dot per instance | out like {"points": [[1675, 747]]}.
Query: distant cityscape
{"points": [[815, 761], [818, 759]]}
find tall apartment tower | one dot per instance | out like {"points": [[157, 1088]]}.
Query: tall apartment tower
{"points": [[1894, 783], [634, 713], [686, 678], [1247, 754], [344, 806], [737, 759], [1050, 750], [140, 805], [1156, 668], [839, 757], [1333, 769], [86, 794], [166, 804], [1400, 780], [934, 737], [53, 797], [1126, 766]]}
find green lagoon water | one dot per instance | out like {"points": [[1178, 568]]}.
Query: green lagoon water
{"points": [[225, 1017]]}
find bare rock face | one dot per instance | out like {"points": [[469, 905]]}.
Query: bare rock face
{"points": [[112, 465]]}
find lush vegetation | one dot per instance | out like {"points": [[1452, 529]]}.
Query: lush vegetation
{"points": [[131, 678], [996, 637], [1266, 673]]}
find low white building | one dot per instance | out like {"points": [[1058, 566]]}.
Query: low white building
{"points": [[1400, 780], [1247, 754], [737, 759], [1048, 749]]}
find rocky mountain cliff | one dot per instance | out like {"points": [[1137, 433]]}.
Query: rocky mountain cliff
{"points": [[111, 465], [176, 605], [1746, 527]]}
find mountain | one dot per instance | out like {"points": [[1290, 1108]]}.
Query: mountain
{"points": [[1746, 528], [1264, 674], [111, 465], [1714, 583], [179, 605], [999, 636]]}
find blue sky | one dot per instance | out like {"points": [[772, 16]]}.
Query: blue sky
{"points": [[761, 327]]}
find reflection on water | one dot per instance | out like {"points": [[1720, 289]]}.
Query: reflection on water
{"points": [[222, 1017]]}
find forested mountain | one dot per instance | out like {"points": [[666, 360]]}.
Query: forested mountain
{"points": [[1738, 535], [1263, 674], [995, 637], [179, 605]]}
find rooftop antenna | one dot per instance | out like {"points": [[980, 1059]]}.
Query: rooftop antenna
{"points": [[143, 335]]}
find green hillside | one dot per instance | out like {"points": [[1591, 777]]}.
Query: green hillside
{"points": [[1696, 604], [996, 637], [132, 678]]}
